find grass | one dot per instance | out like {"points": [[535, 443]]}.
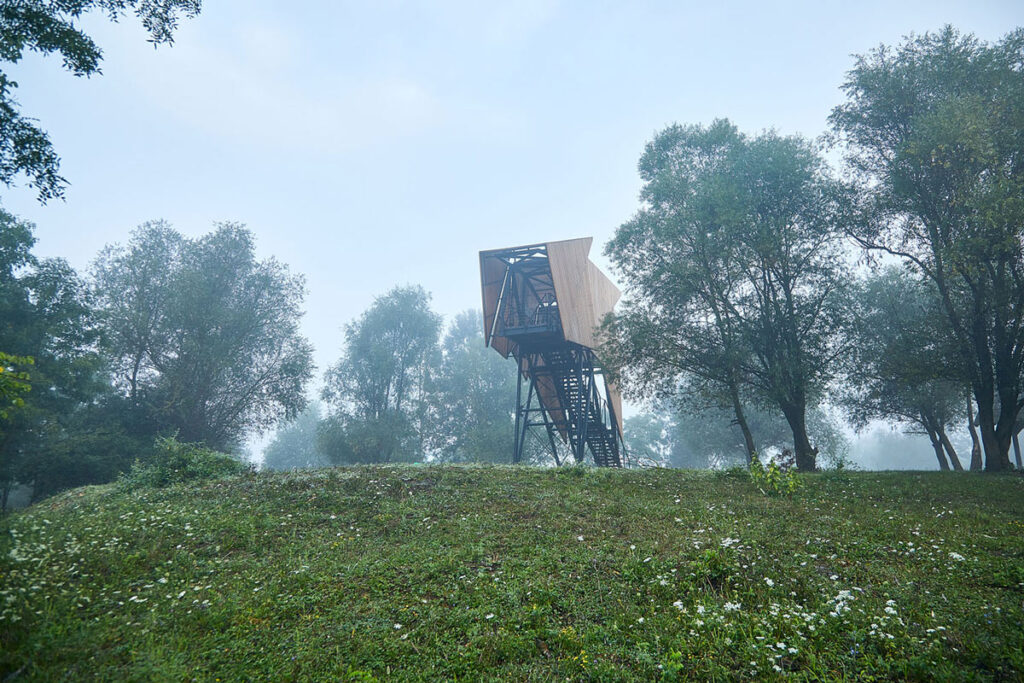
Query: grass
{"points": [[501, 573]]}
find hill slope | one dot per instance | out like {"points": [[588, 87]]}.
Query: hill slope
{"points": [[517, 574]]}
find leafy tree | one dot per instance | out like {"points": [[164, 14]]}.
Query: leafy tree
{"points": [[48, 27], [295, 444], [202, 337], [935, 133], [735, 271], [377, 391], [902, 365], [45, 314], [471, 397]]}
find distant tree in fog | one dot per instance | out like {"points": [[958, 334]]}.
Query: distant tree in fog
{"points": [[203, 337], [377, 391], [294, 446], [471, 397]]}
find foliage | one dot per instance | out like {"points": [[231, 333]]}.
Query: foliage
{"points": [[202, 337], [902, 366], [735, 272], [773, 480], [295, 444], [174, 462], [13, 382], [53, 27], [935, 135], [45, 314], [471, 397], [378, 390], [348, 440], [516, 574]]}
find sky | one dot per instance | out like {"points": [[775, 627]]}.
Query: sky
{"points": [[375, 144]]}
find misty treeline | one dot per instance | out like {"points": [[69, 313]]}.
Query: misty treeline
{"points": [[759, 279], [197, 339], [407, 388]]}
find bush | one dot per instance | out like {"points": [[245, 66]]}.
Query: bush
{"points": [[175, 462], [773, 480]]}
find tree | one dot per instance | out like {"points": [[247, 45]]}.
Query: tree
{"points": [[377, 391], [52, 27], [935, 134], [202, 337], [295, 444], [471, 397], [734, 271], [902, 365], [45, 314]]}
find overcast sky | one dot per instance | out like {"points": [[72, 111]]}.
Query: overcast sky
{"points": [[380, 143]]}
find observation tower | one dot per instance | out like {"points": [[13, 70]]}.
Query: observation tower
{"points": [[542, 303]]}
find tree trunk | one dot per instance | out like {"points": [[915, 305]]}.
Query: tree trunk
{"points": [[741, 420], [995, 444], [806, 455], [950, 451], [1016, 451], [975, 441], [937, 445]]}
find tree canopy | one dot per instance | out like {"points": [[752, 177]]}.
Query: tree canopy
{"points": [[934, 130], [52, 28], [734, 270], [201, 335], [377, 391]]}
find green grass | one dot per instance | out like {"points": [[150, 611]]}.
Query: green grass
{"points": [[468, 573]]}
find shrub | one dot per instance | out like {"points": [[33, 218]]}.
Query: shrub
{"points": [[174, 462], [773, 480]]}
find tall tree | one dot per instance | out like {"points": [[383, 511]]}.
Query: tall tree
{"points": [[45, 315], [471, 397], [902, 365], [736, 248], [202, 336], [48, 27], [935, 133], [377, 391]]}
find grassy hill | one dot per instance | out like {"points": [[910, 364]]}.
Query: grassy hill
{"points": [[518, 574]]}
